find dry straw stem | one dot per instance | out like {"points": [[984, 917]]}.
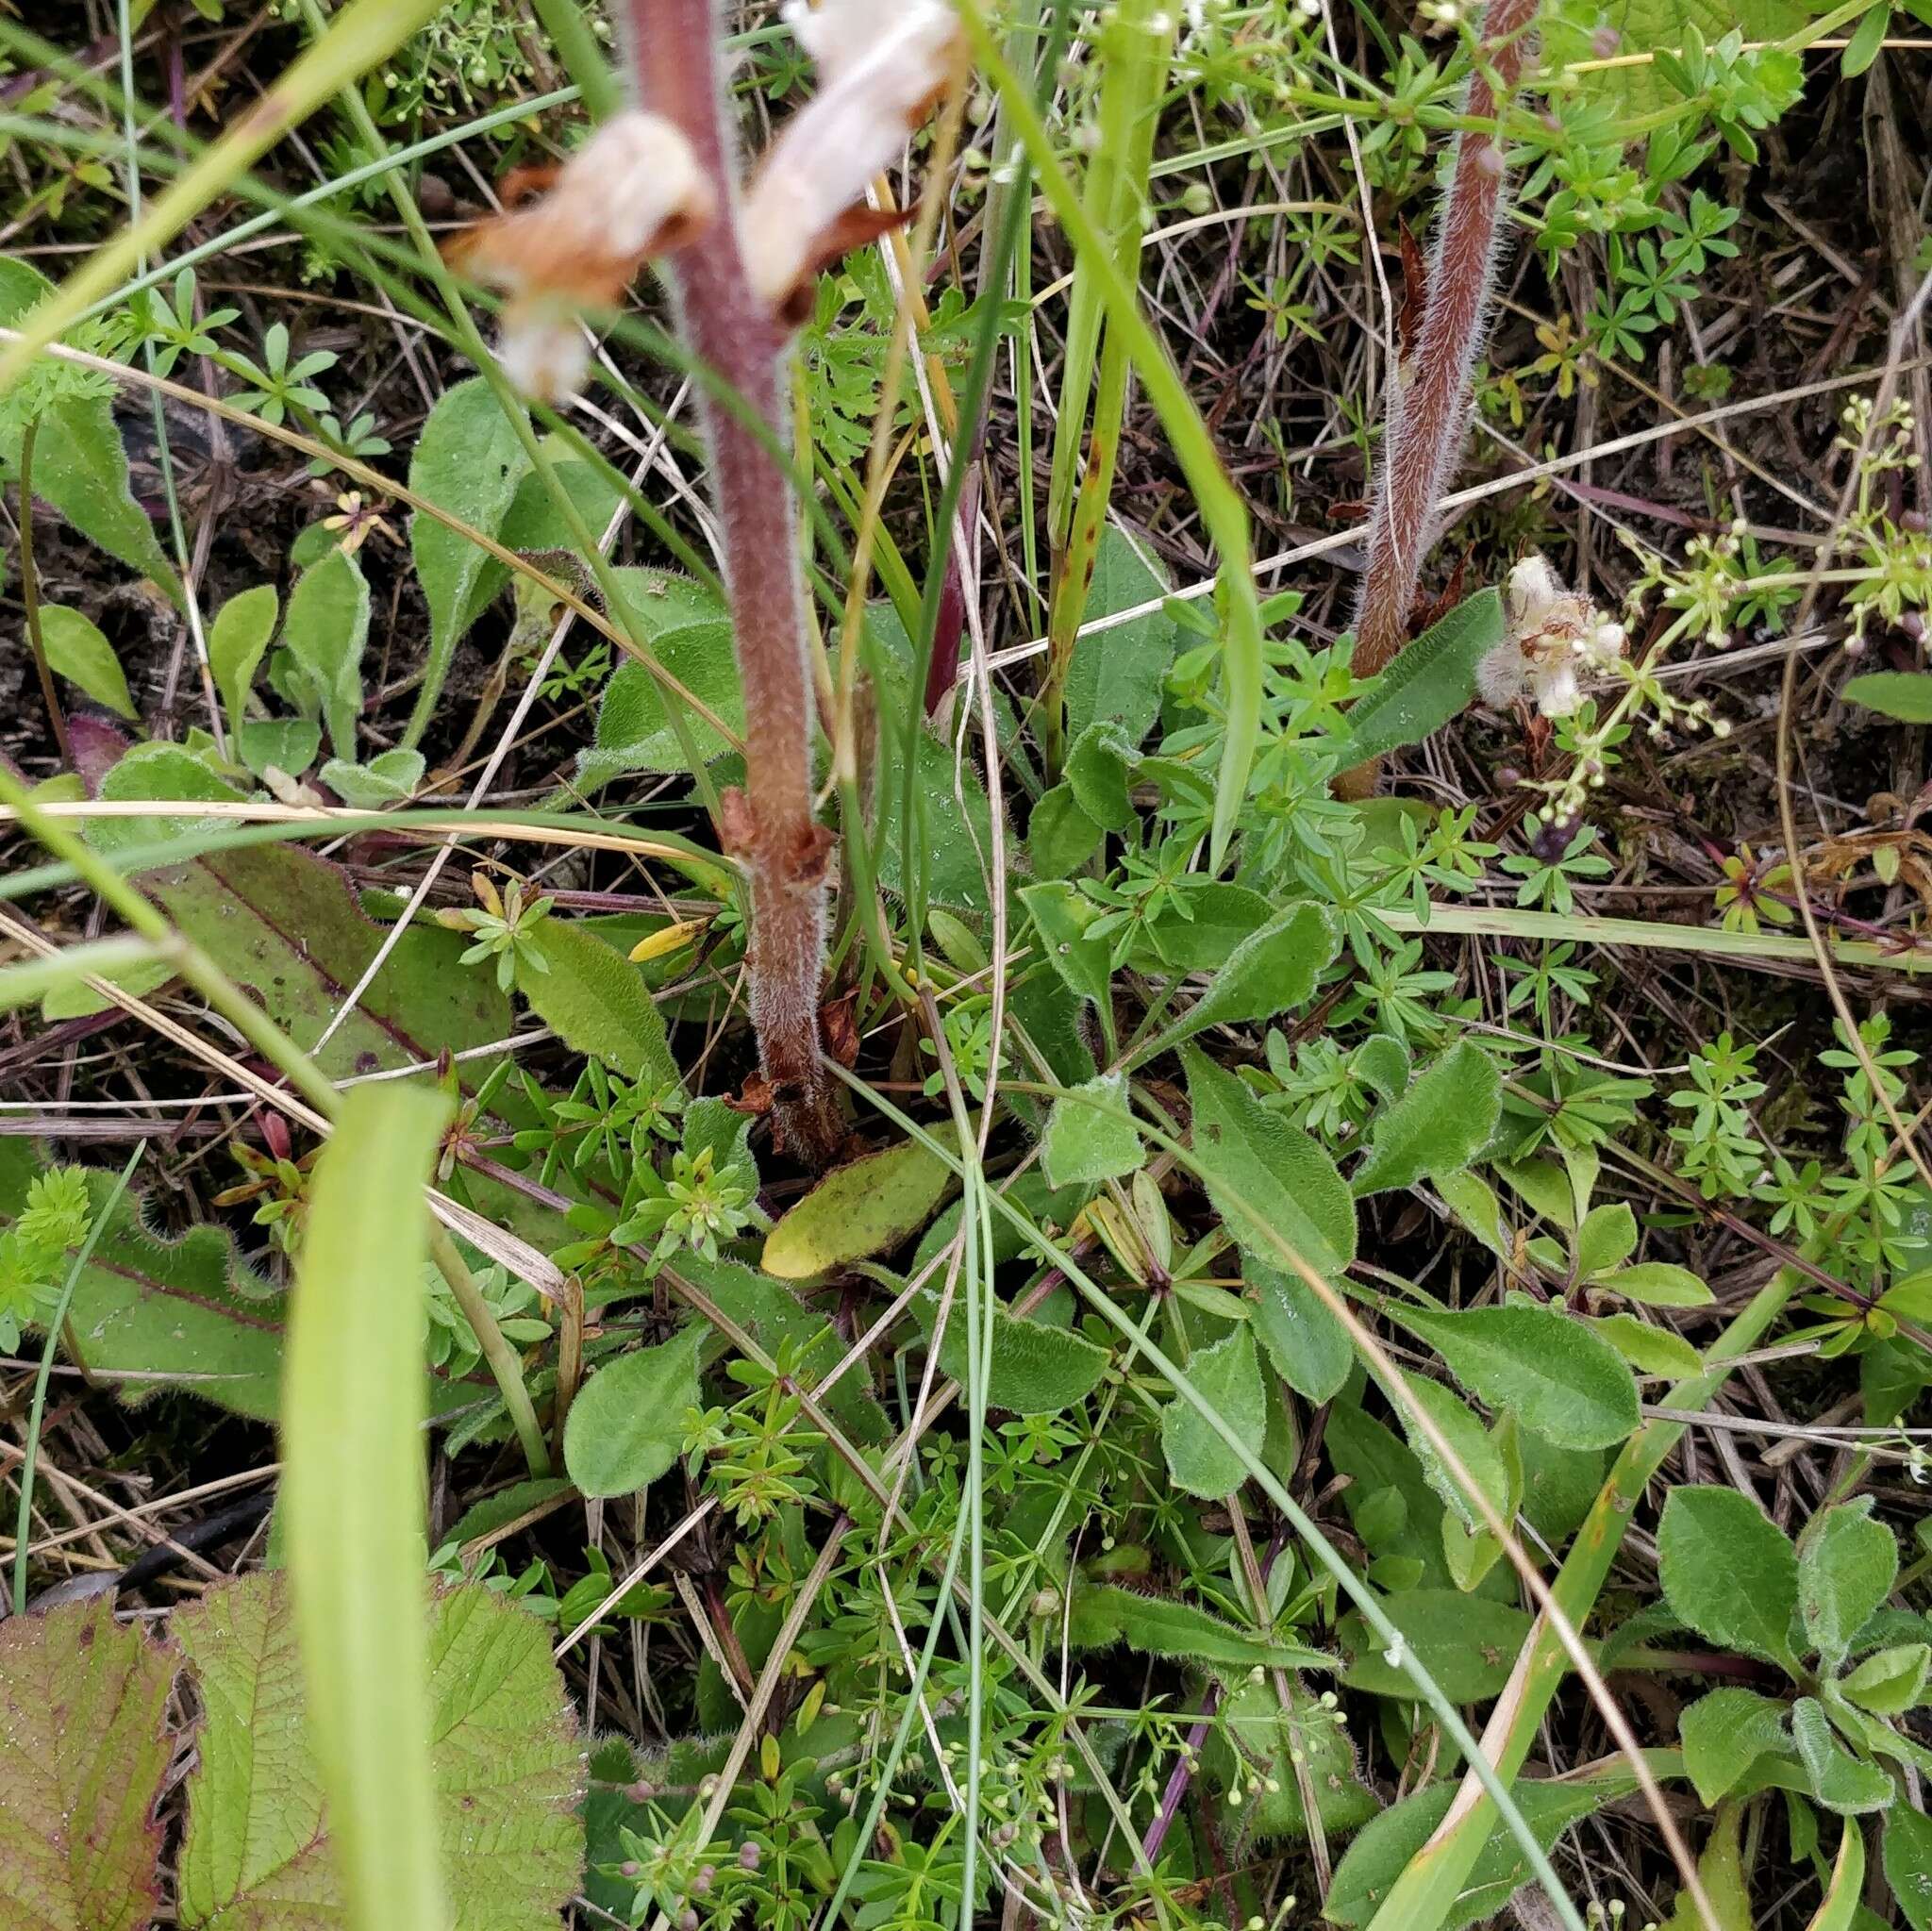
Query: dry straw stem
{"points": [[1428, 412], [674, 45]]}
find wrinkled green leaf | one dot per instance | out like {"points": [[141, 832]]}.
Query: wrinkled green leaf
{"points": [[1229, 1378], [1084, 1142], [1891, 1681], [1847, 1564], [388, 778], [1061, 918], [626, 1425], [83, 1713], [506, 1762], [1725, 1733], [1552, 1372], [1098, 772], [1037, 1368], [77, 650], [1437, 1126]]}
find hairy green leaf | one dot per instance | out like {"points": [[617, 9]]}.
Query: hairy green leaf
{"points": [[1839, 1781], [1037, 1368], [1908, 1856], [1115, 674], [1725, 1733], [1657, 1284], [626, 1425], [1265, 1175], [1084, 1142], [1552, 1372], [1273, 969], [1466, 1644], [1437, 1126], [1847, 1564], [1729, 1572], [1308, 1346], [597, 1003], [1428, 682], [1103, 1615], [77, 650], [80, 468], [1228, 1377], [1061, 918]]}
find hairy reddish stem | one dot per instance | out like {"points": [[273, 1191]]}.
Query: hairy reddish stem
{"points": [[1428, 413], [675, 46]]}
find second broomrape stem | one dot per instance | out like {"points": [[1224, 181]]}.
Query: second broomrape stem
{"points": [[674, 48]]}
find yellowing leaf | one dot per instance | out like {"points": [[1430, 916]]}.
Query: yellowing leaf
{"points": [[857, 1210]]}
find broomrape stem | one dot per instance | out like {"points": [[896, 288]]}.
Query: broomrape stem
{"points": [[1426, 415], [674, 47]]}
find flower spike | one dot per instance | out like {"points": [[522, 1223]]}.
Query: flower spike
{"points": [[574, 237], [883, 65]]}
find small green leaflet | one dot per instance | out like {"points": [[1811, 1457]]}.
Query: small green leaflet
{"points": [[326, 633], [1037, 1368], [1905, 695], [237, 640], [468, 461], [1725, 1733], [1062, 916], [1115, 674]]}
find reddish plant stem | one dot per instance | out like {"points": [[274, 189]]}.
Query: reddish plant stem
{"points": [[674, 48], [1428, 412]]}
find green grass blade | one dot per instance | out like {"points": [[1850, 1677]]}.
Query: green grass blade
{"points": [[352, 1494], [1222, 508]]}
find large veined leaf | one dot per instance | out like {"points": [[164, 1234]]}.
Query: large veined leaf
{"points": [[1265, 1174], [1379, 1855], [865, 1207], [506, 1765], [1729, 1572], [83, 1716], [1115, 674], [597, 1003], [286, 925], [1555, 1374], [468, 460]]}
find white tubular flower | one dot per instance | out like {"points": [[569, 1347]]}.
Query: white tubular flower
{"points": [[1554, 635], [882, 65], [574, 237]]}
